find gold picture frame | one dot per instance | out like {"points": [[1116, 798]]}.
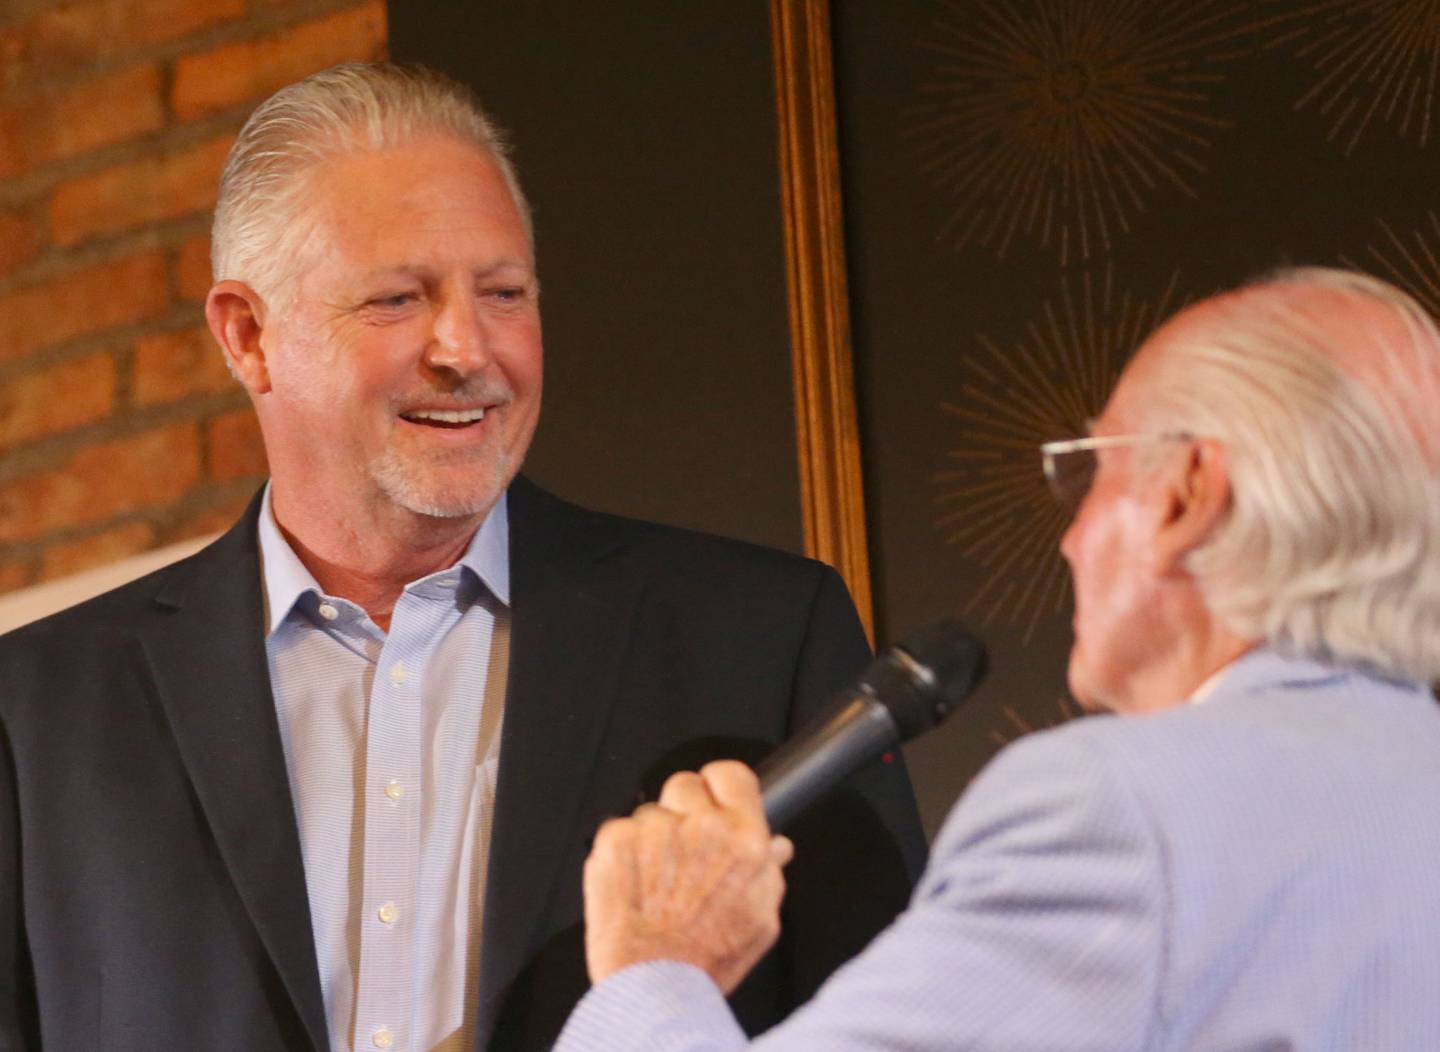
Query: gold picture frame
{"points": [[832, 494]]}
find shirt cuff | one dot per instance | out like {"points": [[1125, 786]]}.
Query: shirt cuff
{"points": [[654, 1006]]}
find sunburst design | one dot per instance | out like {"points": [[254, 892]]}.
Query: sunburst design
{"points": [[1048, 384], [1060, 119], [1375, 60], [1411, 262], [1018, 726]]}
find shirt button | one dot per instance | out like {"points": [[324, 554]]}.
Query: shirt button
{"points": [[388, 913], [394, 790], [383, 1038], [328, 611], [398, 674]]}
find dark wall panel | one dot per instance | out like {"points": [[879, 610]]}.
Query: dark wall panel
{"points": [[645, 136], [1029, 187]]}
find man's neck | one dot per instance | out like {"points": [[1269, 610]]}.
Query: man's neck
{"points": [[370, 559], [1191, 663]]}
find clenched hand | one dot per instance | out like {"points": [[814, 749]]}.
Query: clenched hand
{"points": [[695, 878]]}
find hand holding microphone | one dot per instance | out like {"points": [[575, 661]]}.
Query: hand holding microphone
{"points": [[697, 876]]}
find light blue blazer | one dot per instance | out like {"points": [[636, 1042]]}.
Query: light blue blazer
{"points": [[1257, 871]]}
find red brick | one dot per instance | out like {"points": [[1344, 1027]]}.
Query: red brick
{"points": [[236, 449], [214, 518], [82, 302], [108, 546], [103, 110], [229, 75], [192, 269], [16, 573], [19, 240], [170, 366], [138, 193], [58, 398], [101, 482], [73, 35]]}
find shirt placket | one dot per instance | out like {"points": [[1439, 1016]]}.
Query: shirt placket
{"points": [[393, 780]]}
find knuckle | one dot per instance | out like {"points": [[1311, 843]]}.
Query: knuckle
{"points": [[681, 780], [710, 825], [613, 833], [647, 814], [731, 772], [752, 851]]}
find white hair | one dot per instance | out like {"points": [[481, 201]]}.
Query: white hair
{"points": [[350, 108], [1331, 546]]}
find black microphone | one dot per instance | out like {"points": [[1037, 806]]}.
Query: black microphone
{"points": [[907, 690]]}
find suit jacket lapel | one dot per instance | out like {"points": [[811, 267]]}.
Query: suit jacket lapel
{"points": [[206, 652], [570, 618]]}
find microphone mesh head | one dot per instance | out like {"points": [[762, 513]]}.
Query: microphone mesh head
{"points": [[943, 663]]}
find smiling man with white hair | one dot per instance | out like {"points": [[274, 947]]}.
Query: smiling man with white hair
{"points": [[329, 783], [1243, 853]]}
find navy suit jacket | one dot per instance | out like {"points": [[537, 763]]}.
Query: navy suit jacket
{"points": [[152, 891]]}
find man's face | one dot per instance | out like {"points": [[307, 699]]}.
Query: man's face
{"points": [[404, 360], [1109, 547]]}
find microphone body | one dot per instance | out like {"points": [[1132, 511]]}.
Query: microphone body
{"points": [[853, 731], [907, 690]]}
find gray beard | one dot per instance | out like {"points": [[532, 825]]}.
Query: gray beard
{"points": [[413, 487], [409, 487]]}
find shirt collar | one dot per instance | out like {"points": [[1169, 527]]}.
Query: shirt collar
{"points": [[286, 579], [1212, 681], [488, 554], [1265, 667]]}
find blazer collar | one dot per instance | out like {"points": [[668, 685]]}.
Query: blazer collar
{"points": [[573, 605], [206, 653]]}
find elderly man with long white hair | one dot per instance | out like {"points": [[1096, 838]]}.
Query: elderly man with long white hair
{"points": [[1244, 853]]}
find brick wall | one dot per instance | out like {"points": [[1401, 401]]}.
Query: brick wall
{"points": [[120, 429]]}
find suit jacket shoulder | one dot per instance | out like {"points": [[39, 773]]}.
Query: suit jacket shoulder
{"points": [[222, 579], [546, 527], [143, 782]]}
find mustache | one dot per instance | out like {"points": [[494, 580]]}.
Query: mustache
{"points": [[472, 392]]}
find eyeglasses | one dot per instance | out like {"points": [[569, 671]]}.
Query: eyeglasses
{"points": [[1070, 463]]}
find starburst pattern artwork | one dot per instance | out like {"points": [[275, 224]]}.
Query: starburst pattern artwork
{"points": [[1057, 121], [1049, 383], [1376, 61], [1410, 260]]}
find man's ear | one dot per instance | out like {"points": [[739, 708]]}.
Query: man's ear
{"points": [[1196, 501], [236, 314]]}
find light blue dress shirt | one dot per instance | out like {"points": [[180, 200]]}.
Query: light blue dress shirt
{"points": [[392, 744]]}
